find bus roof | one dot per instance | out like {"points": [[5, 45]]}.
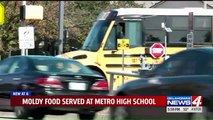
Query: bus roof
{"points": [[164, 11]]}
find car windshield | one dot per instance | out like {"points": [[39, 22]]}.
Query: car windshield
{"points": [[62, 66], [95, 36]]}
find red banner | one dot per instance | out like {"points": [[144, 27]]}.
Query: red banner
{"points": [[88, 100]]}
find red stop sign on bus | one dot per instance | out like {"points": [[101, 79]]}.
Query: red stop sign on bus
{"points": [[157, 50]]}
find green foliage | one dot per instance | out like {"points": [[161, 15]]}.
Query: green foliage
{"points": [[8, 31], [80, 15], [78, 19]]}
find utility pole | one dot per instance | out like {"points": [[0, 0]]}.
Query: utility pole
{"points": [[61, 26], [167, 30], [23, 24], [190, 35]]}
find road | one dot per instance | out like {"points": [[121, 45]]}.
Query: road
{"points": [[102, 115]]}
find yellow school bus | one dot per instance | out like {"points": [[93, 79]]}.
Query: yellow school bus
{"points": [[142, 27]]}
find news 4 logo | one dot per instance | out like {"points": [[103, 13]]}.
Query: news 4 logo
{"points": [[184, 101], [197, 101]]}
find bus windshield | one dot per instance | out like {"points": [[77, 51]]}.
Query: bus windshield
{"points": [[95, 36]]}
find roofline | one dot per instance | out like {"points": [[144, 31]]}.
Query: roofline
{"points": [[164, 11], [157, 4]]}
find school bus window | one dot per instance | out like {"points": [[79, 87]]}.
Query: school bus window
{"points": [[178, 22], [178, 36], [134, 33], [154, 36], [95, 36], [202, 22], [202, 30], [179, 26], [202, 37], [153, 22], [152, 29], [120, 30], [111, 41]]}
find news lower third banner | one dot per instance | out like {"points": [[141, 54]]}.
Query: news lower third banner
{"points": [[88, 100], [173, 104]]}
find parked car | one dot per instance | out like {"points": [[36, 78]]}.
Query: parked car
{"points": [[186, 73], [48, 76]]}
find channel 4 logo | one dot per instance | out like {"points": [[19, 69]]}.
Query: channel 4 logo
{"points": [[195, 101]]}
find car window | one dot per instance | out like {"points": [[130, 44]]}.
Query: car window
{"points": [[5, 65], [62, 66], [185, 63], [206, 67], [17, 66], [173, 66], [195, 63]]}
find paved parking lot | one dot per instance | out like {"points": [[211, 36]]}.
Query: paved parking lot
{"points": [[102, 115]]}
